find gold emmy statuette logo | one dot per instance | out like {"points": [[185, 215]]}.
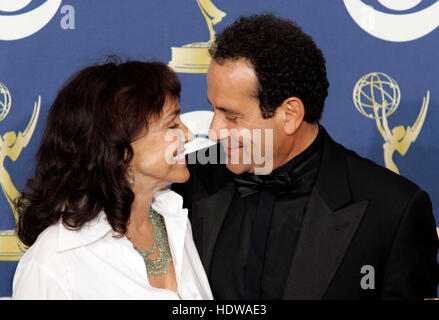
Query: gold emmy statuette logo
{"points": [[11, 145], [377, 96], [194, 57]]}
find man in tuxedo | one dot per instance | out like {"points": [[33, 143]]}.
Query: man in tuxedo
{"points": [[304, 218]]}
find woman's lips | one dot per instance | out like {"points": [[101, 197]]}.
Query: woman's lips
{"points": [[179, 156]]}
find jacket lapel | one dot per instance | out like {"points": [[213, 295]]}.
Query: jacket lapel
{"points": [[330, 222], [211, 211], [325, 237]]}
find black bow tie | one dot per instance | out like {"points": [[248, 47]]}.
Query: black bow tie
{"points": [[249, 183]]}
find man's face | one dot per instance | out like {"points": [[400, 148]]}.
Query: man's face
{"points": [[232, 92]]}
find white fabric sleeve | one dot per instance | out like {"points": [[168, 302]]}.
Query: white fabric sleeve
{"points": [[33, 281]]}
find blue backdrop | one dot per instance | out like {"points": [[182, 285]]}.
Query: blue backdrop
{"points": [[392, 45]]}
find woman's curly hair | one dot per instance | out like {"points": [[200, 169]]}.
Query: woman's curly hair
{"points": [[85, 149], [287, 62]]}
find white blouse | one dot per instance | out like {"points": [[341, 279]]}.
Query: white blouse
{"points": [[92, 264]]}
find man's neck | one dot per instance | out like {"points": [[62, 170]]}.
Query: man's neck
{"points": [[303, 138]]}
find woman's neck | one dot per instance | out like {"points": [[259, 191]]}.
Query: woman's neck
{"points": [[139, 222]]}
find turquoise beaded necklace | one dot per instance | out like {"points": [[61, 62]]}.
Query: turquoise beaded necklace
{"points": [[159, 265]]}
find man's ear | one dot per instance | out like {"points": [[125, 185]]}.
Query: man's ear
{"points": [[293, 112]]}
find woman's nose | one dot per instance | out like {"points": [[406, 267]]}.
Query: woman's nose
{"points": [[189, 136]]}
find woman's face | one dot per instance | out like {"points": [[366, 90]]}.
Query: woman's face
{"points": [[159, 151]]}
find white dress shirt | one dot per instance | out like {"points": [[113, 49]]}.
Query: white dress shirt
{"points": [[91, 263]]}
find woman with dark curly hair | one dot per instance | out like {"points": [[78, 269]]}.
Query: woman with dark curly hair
{"points": [[97, 218]]}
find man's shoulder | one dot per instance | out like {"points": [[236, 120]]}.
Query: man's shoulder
{"points": [[366, 174]]}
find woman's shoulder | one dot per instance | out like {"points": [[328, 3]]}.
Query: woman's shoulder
{"points": [[43, 272], [45, 249]]}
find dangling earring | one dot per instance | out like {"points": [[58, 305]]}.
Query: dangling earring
{"points": [[131, 179]]}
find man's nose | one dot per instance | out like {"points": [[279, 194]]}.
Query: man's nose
{"points": [[217, 129]]}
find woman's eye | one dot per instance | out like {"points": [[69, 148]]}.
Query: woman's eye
{"points": [[174, 126]]}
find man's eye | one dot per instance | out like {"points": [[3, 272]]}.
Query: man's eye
{"points": [[229, 118]]}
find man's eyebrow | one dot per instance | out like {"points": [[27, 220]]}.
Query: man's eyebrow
{"points": [[231, 112]]}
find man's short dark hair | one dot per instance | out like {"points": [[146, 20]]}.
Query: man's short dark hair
{"points": [[287, 62]]}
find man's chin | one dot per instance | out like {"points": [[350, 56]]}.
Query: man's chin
{"points": [[238, 168]]}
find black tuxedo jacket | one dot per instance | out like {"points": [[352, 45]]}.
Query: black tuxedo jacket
{"points": [[367, 233]]}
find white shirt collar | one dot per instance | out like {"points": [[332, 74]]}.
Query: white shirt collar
{"points": [[166, 202], [87, 234], [170, 205]]}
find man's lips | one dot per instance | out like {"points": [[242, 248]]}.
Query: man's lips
{"points": [[231, 150]]}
